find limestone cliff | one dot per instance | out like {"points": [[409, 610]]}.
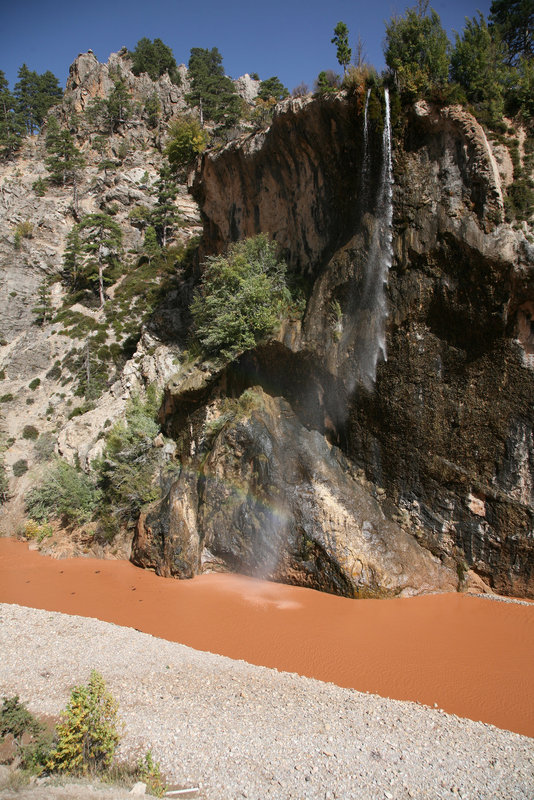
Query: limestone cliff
{"points": [[443, 438], [294, 462]]}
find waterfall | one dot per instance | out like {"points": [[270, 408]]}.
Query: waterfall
{"points": [[364, 338], [365, 167]]}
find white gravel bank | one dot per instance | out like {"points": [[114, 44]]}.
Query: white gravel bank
{"points": [[240, 731]]}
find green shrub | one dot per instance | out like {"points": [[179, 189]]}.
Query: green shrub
{"points": [[24, 229], [18, 722], [54, 374], [32, 530], [242, 297], [34, 384], [44, 446], [30, 432], [87, 733], [128, 466], [20, 467], [150, 773], [40, 186], [6, 398], [187, 139], [65, 493]]}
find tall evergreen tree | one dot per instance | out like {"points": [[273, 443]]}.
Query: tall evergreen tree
{"points": [[11, 124], [211, 91], [35, 95], [165, 216], [100, 244], [272, 87], [478, 65], [64, 160], [341, 40], [114, 110], [514, 20], [155, 58], [417, 49], [43, 310], [73, 258]]}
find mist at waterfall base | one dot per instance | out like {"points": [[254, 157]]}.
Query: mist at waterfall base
{"points": [[363, 341]]}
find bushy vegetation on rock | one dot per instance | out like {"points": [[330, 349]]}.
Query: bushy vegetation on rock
{"points": [[155, 58], [66, 493], [242, 297]]}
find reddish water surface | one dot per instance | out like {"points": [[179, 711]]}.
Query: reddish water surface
{"points": [[473, 657]]}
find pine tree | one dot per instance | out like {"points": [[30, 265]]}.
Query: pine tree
{"points": [[35, 95], [211, 90], [154, 58], [26, 90], [514, 20], [341, 40], [43, 310], [65, 160], [73, 258], [272, 87], [101, 244], [112, 111], [11, 125], [164, 216], [151, 247]]}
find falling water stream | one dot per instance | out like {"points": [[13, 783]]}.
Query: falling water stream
{"points": [[364, 339]]}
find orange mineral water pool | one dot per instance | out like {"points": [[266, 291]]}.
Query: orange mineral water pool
{"points": [[471, 656]]}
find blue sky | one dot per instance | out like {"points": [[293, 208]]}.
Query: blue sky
{"points": [[275, 37]]}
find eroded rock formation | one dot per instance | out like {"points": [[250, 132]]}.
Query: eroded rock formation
{"points": [[445, 434]]}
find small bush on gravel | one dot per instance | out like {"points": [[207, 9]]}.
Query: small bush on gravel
{"points": [[30, 432], [150, 773], [87, 733]]}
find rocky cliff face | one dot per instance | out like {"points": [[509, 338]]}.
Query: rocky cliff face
{"points": [[293, 462], [443, 440]]}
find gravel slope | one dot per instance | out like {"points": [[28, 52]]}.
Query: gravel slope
{"points": [[238, 730]]}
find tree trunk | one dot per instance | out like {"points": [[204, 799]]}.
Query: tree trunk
{"points": [[101, 282], [75, 197]]}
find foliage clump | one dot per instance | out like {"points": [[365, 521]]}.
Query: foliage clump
{"points": [[242, 297], [417, 50], [127, 468], [88, 731], [66, 493], [211, 90], [31, 739], [187, 139], [155, 58]]}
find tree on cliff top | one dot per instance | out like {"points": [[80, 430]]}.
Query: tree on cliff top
{"points": [[155, 58], [341, 40], [478, 65], [211, 90], [514, 19], [35, 95], [417, 50], [272, 87], [12, 126]]}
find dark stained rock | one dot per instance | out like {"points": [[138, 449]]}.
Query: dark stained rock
{"points": [[447, 430], [263, 495]]}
